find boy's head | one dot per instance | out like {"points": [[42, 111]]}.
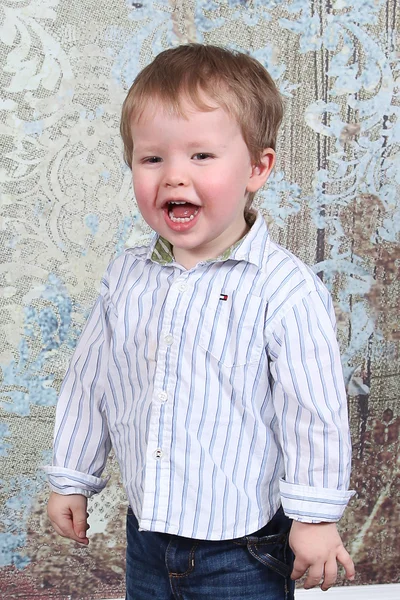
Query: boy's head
{"points": [[234, 81]]}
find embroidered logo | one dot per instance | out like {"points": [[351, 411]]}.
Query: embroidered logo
{"points": [[223, 296]]}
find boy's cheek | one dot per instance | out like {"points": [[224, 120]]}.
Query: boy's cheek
{"points": [[142, 190], [146, 203], [144, 179], [143, 205]]}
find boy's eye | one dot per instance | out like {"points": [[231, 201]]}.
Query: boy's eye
{"points": [[202, 155], [152, 159]]}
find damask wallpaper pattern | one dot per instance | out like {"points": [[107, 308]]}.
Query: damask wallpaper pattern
{"points": [[67, 208]]}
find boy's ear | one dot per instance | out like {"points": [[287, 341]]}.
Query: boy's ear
{"points": [[262, 170]]}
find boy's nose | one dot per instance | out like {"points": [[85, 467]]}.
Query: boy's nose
{"points": [[175, 182], [175, 178]]}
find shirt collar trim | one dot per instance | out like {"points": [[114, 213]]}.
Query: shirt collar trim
{"points": [[250, 248]]}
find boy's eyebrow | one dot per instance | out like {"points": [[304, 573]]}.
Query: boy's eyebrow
{"points": [[195, 144], [145, 147], [204, 143]]}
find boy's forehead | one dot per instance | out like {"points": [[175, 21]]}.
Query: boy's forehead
{"points": [[183, 106], [159, 125]]}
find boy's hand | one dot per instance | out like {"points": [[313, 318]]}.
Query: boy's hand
{"points": [[68, 516], [317, 547]]}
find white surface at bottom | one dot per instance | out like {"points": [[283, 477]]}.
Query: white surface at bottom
{"points": [[389, 591]]}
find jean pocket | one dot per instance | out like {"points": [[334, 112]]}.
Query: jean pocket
{"points": [[273, 552]]}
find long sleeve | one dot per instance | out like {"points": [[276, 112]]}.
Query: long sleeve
{"points": [[310, 402], [81, 437]]}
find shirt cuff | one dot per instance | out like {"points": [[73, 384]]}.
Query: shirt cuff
{"points": [[66, 481], [311, 504]]}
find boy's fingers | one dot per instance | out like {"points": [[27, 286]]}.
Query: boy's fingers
{"points": [[345, 559], [80, 525], [64, 527], [66, 530], [299, 568], [330, 574], [315, 574]]}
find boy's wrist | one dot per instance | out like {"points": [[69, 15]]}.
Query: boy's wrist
{"points": [[306, 525]]}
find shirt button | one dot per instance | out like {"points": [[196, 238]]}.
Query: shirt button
{"points": [[163, 396], [182, 287], [158, 454], [168, 339]]}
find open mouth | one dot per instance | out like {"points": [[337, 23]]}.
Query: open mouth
{"points": [[181, 212]]}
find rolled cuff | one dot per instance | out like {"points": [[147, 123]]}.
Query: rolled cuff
{"points": [[66, 481], [311, 504]]}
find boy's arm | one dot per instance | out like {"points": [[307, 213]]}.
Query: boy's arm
{"points": [[81, 437], [311, 408]]}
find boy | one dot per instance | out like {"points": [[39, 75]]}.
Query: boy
{"points": [[209, 361]]}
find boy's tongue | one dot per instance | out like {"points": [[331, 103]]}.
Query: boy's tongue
{"points": [[181, 211]]}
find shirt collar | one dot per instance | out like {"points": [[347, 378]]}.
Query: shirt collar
{"points": [[251, 248]]}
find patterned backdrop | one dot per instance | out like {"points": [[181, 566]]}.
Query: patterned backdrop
{"points": [[67, 208]]}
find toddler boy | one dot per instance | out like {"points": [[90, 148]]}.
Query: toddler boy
{"points": [[209, 362]]}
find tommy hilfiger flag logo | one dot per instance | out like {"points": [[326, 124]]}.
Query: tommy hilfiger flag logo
{"points": [[223, 296]]}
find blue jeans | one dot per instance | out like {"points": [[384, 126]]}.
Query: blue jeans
{"points": [[168, 567]]}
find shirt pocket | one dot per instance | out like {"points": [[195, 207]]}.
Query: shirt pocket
{"points": [[233, 330]]}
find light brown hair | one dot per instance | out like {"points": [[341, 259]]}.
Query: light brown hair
{"points": [[233, 80]]}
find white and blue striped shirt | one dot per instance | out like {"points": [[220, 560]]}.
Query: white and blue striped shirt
{"points": [[220, 389]]}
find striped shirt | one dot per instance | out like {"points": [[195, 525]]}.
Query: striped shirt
{"points": [[219, 388]]}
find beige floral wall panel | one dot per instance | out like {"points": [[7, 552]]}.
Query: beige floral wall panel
{"points": [[67, 208]]}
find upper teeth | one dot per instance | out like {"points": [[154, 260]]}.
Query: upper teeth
{"points": [[172, 202]]}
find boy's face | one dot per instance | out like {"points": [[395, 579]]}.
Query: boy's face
{"points": [[191, 178]]}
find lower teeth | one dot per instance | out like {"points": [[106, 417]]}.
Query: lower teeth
{"points": [[182, 219]]}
